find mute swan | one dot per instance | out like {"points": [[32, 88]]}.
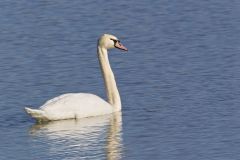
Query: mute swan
{"points": [[80, 105]]}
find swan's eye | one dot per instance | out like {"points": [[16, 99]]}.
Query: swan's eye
{"points": [[115, 41]]}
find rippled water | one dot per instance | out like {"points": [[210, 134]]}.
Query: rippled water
{"points": [[179, 82]]}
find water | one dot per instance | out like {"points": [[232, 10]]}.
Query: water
{"points": [[179, 82]]}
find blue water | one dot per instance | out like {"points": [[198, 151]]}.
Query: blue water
{"points": [[179, 81]]}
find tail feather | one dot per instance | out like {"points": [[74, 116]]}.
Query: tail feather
{"points": [[39, 115]]}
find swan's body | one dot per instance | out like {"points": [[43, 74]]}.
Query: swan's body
{"points": [[71, 105], [80, 105]]}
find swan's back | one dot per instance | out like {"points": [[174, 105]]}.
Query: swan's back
{"points": [[73, 105]]}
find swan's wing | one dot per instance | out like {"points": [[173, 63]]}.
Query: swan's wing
{"points": [[76, 105], [57, 100]]}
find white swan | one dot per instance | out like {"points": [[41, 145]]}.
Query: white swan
{"points": [[80, 105]]}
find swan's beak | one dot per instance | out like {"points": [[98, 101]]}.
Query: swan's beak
{"points": [[120, 46]]}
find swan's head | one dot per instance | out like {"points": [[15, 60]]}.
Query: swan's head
{"points": [[108, 41]]}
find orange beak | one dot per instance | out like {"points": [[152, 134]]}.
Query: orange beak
{"points": [[120, 46]]}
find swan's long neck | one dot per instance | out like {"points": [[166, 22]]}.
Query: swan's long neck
{"points": [[109, 79]]}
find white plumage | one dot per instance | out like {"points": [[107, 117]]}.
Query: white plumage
{"points": [[80, 105], [71, 105]]}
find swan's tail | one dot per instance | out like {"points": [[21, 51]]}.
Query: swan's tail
{"points": [[39, 115]]}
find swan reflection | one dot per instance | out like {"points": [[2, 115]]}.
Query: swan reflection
{"points": [[93, 138]]}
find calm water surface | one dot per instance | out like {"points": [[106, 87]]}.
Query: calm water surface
{"points": [[179, 82]]}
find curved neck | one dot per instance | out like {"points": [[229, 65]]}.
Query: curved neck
{"points": [[109, 79]]}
